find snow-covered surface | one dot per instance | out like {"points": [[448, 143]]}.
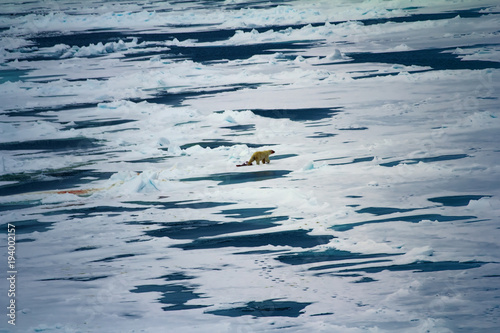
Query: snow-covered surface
{"points": [[121, 124]]}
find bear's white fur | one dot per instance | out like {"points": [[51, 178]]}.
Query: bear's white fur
{"points": [[260, 156]]}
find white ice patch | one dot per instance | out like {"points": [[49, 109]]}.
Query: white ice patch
{"points": [[414, 255], [59, 198], [337, 55], [129, 182], [486, 205], [487, 53], [25, 131], [65, 51]]}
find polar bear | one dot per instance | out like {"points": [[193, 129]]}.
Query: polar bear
{"points": [[260, 156]]}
